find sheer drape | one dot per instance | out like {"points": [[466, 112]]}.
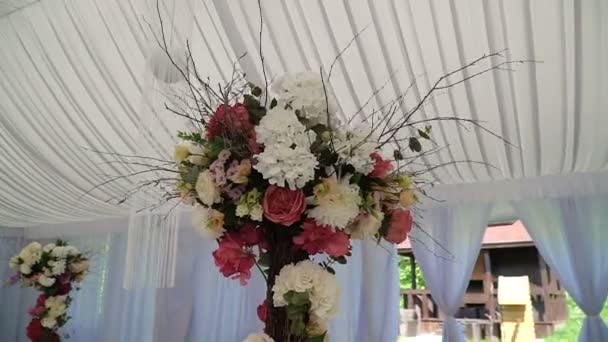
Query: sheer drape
{"points": [[571, 234], [11, 315], [446, 247]]}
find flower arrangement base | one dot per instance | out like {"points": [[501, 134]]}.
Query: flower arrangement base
{"points": [[281, 252]]}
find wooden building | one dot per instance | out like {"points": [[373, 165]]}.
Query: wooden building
{"points": [[507, 250]]}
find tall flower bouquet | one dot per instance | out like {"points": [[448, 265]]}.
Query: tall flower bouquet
{"points": [[277, 175], [51, 269]]}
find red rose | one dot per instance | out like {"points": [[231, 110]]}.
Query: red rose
{"points": [[283, 206], [262, 311], [317, 238], [381, 167], [399, 226]]}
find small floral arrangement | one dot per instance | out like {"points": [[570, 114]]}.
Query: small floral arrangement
{"points": [[291, 177], [52, 270]]}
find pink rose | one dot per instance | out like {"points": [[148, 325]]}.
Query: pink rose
{"points": [[317, 238], [381, 167], [283, 206], [399, 226]]}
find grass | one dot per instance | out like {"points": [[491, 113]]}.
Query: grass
{"points": [[570, 331]]}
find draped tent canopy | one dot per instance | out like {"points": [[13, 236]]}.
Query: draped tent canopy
{"points": [[76, 74]]}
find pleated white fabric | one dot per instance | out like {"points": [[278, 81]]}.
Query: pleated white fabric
{"points": [[446, 246], [571, 235], [75, 74]]}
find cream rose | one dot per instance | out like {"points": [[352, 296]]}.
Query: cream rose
{"points": [[208, 222], [206, 189]]}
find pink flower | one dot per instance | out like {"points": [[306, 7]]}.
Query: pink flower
{"points": [[234, 256], [283, 206], [263, 311], [317, 238], [232, 123], [381, 166], [39, 308], [399, 226], [239, 172]]}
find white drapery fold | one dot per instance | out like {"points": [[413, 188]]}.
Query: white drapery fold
{"points": [[446, 246], [571, 235]]}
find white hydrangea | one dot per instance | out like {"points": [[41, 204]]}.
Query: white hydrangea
{"points": [[281, 126], [208, 222], [283, 165], [25, 268], [14, 262], [48, 247], [354, 147], [261, 337], [31, 253], [56, 306], [305, 92], [306, 276], [57, 267], [46, 281], [60, 252], [337, 202], [72, 251]]}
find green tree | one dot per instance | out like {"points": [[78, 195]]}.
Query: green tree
{"points": [[405, 274]]}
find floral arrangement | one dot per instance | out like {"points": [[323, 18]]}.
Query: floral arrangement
{"points": [[284, 181], [52, 270], [278, 185]]}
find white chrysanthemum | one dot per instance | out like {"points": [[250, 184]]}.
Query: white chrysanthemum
{"points": [[305, 93], [366, 225], [208, 222], [281, 126], [57, 267], [31, 253], [261, 337], [354, 147], [283, 165], [72, 251], [48, 322], [46, 281], [337, 202], [206, 189], [306, 276], [56, 306]]}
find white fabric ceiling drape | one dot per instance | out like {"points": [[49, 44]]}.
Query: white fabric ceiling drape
{"points": [[571, 234], [74, 74], [446, 246]]}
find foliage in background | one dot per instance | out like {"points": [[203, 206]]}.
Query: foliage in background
{"points": [[570, 331], [405, 274]]}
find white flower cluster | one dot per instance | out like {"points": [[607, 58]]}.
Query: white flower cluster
{"points": [[261, 337], [188, 150], [354, 147], [306, 276], [28, 256], [56, 307], [58, 260], [336, 202], [305, 93], [286, 159]]}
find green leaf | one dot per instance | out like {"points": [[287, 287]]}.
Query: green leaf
{"points": [[340, 260], [250, 102], [319, 338], [297, 298], [273, 103], [415, 145], [397, 155], [264, 259], [330, 269], [424, 134]]}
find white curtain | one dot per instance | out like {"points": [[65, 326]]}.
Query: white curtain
{"points": [[446, 247], [571, 234], [11, 317]]}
